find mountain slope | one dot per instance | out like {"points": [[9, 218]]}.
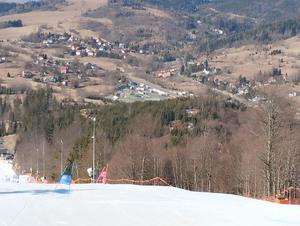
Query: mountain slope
{"points": [[115, 205]]}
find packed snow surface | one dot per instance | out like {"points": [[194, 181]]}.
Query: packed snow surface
{"points": [[132, 205], [6, 171]]}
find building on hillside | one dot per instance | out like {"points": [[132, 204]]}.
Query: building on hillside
{"points": [[294, 94], [27, 74], [176, 124], [192, 111], [5, 154], [63, 69], [272, 80]]}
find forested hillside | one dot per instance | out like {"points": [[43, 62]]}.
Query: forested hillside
{"points": [[206, 143], [261, 34], [268, 10], [6, 8], [186, 5], [199, 21]]}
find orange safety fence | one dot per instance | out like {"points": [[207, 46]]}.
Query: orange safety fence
{"points": [[290, 195], [80, 180], [294, 201], [159, 179], [122, 180]]}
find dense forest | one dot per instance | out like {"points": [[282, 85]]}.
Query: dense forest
{"points": [[206, 143], [262, 34], [186, 5], [268, 10], [11, 23], [5, 6], [11, 8]]}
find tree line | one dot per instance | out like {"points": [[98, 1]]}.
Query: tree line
{"points": [[11, 23], [262, 34], [12, 8], [202, 143]]}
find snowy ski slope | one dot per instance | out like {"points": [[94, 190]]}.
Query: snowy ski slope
{"points": [[130, 205]]}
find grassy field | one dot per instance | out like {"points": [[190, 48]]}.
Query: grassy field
{"points": [[66, 18], [249, 60]]}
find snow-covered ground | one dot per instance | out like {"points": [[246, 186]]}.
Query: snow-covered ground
{"points": [[130, 205], [6, 171]]}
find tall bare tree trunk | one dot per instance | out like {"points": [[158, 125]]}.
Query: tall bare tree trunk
{"points": [[272, 128], [195, 176], [143, 168]]}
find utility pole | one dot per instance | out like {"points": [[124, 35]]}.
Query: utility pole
{"points": [[43, 158], [37, 162], [94, 144], [61, 156]]}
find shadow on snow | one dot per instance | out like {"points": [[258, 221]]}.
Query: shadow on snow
{"points": [[43, 191]]}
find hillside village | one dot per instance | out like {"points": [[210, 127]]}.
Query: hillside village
{"points": [[66, 70]]}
